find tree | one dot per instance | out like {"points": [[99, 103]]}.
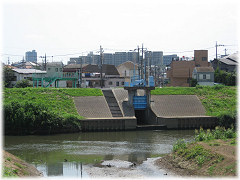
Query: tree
{"points": [[23, 83], [193, 82], [8, 76], [224, 77]]}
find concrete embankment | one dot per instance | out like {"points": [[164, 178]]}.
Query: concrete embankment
{"points": [[113, 112]]}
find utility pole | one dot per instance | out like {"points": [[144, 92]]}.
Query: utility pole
{"points": [[139, 72], [217, 46], [101, 64], [150, 63], [142, 64], [80, 73], [45, 62], [225, 51]]}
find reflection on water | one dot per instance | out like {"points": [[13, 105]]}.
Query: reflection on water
{"points": [[61, 155]]}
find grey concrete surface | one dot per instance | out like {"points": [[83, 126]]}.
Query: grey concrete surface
{"points": [[177, 105], [92, 107], [122, 98]]}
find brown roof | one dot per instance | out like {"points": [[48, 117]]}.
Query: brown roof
{"points": [[74, 66], [108, 69], [204, 69]]}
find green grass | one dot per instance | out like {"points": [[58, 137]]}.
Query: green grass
{"points": [[215, 99], [9, 172], [217, 133], [194, 152], [18, 165], [46, 110], [56, 100]]}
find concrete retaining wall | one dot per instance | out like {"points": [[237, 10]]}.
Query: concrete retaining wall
{"points": [[108, 124], [187, 122]]}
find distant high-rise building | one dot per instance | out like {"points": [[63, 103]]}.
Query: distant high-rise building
{"points": [[155, 57], [167, 59], [119, 58], [132, 56], [108, 58], [31, 56]]}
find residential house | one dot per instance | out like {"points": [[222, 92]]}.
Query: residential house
{"points": [[110, 76], [127, 70], [226, 63], [74, 68], [20, 74], [204, 75], [180, 72]]}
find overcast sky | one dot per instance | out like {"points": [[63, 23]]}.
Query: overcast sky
{"points": [[76, 27]]}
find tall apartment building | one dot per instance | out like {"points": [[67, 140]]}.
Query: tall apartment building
{"points": [[132, 56], [119, 58], [89, 59], [167, 59], [108, 58], [31, 56], [155, 57]]}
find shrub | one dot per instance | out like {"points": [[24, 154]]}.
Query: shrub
{"points": [[35, 118], [23, 84], [180, 144], [193, 82], [227, 119], [218, 133]]}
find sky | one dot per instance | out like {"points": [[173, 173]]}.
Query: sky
{"points": [[70, 28]]}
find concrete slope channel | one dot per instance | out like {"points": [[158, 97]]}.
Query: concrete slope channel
{"points": [[112, 112]]}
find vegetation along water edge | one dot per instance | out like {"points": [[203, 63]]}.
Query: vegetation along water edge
{"points": [[213, 153], [42, 110]]}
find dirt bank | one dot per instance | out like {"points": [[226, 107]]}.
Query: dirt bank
{"points": [[223, 161], [15, 167]]}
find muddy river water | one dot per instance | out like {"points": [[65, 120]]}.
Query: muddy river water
{"points": [[77, 154]]}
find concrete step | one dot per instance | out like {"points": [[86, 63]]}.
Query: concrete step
{"points": [[112, 103]]}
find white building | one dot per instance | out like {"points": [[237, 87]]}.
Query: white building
{"points": [[20, 74]]}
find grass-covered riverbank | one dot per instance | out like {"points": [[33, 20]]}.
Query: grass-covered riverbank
{"points": [[42, 110], [213, 153], [219, 100], [15, 167]]}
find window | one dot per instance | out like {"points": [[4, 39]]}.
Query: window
{"points": [[110, 83], [204, 76], [208, 76], [204, 58], [123, 83], [60, 69], [56, 69], [117, 83], [49, 69]]}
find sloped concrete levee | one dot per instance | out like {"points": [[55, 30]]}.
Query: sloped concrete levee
{"points": [[113, 112], [103, 113], [179, 112]]}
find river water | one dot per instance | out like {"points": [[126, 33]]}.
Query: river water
{"points": [[66, 154]]}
